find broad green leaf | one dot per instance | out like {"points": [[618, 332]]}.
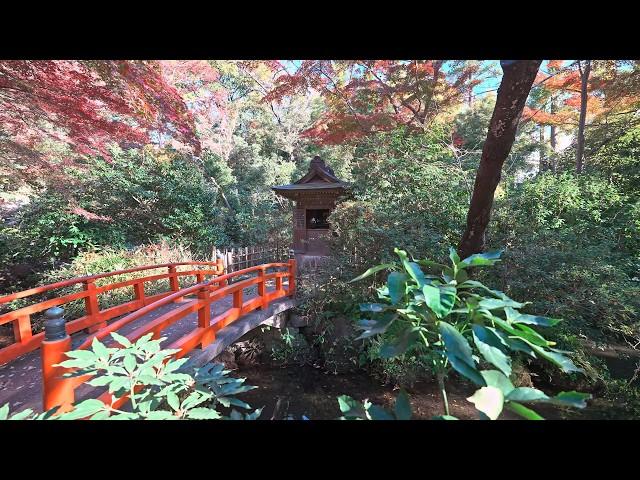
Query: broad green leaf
{"points": [[402, 408], [400, 345], [378, 413], [526, 394], [350, 407], [463, 369], [497, 379], [571, 399], [4, 411], [374, 327], [498, 303], [455, 343], [440, 300], [513, 316], [523, 411], [489, 400], [482, 259], [490, 347], [373, 270], [558, 359], [396, 282]]}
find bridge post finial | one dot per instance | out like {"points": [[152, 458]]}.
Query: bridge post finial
{"points": [[54, 325]]}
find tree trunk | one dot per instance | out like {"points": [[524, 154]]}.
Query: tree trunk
{"points": [[552, 138], [517, 79], [584, 79], [543, 165]]}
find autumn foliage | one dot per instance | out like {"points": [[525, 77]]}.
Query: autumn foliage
{"points": [[90, 104]]}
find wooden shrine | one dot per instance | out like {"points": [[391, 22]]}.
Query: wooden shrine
{"points": [[315, 197]]}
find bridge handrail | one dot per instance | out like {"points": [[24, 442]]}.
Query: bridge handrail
{"points": [[94, 318], [60, 391], [72, 281]]}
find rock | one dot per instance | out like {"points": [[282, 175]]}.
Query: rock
{"points": [[228, 358], [298, 321]]}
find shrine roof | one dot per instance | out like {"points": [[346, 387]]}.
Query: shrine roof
{"points": [[319, 177]]}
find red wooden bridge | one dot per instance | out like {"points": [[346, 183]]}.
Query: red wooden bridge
{"points": [[188, 318]]}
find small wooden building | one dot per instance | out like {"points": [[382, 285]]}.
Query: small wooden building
{"points": [[315, 197]]}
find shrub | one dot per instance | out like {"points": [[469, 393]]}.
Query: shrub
{"points": [[461, 324]]}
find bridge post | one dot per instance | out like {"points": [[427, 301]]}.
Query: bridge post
{"points": [[204, 316], [173, 281], [262, 288], [292, 277], [92, 307], [56, 390]]}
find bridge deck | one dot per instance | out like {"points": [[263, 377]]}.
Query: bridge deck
{"points": [[21, 379]]}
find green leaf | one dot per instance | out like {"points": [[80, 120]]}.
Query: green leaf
{"points": [[499, 380], [84, 409], [489, 400], [82, 355], [378, 413], [124, 341], [396, 282], [350, 407], [129, 362], [100, 350], [374, 327], [201, 413], [445, 417], [23, 415], [432, 264], [400, 345], [498, 303], [172, 400], [482, 259], [514, 316], [526, 394], [373, 270], [571, 399], [463, 369], [402, 407], [558, 359], [440, 299], [4, 411], [100, 381], [372, 307], [490, 347], [455, 343], [161, 415], [523, 411], [453, 255]]}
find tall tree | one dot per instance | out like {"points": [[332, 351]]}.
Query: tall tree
{"points": [[368, 96], [517, 79], [584, 82]]}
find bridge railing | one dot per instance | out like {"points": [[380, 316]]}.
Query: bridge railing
{"points": [[25, 340], [60, 391]]}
